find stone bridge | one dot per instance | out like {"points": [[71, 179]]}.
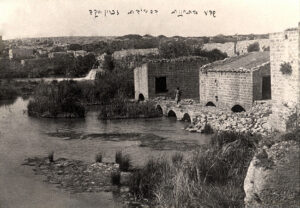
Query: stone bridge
{"points": [[183, 112]]}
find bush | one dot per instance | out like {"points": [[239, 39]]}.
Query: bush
{"points": [[145, 182], [213, 177], [177, 159], [51, 156], [7, 91], [286, 68], [118, 157], [51, 100], [253, 47], [98, 157], [125, 163]]}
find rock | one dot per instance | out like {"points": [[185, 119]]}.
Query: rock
{"points": [[273, 177], [125, 178]]}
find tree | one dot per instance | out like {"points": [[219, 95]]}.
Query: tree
{"points": [[253, 47], [174, 49], [75, 47]]}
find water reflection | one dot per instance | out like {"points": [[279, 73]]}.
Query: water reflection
{"points": [[80, 139]]}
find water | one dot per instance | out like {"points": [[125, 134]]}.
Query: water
{"points": [[22, 136]]}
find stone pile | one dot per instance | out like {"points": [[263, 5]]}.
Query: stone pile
{"points": [[254, 121]]}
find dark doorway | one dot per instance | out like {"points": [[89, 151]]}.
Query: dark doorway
{"points": [[210, 104], [141, 97], [237, 109], [160, 84], [266, 88]]}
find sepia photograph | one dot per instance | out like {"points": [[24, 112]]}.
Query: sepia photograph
{"points": [[149, 104]]}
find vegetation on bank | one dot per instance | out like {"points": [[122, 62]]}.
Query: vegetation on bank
{"points": [[212, 177], [58, 99], [120, 108], [62, 66], [9, 89]]}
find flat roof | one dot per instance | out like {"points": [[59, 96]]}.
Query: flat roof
{"points": [[244, 63]]}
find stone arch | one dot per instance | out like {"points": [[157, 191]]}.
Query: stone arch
{"points": [[210, 104], [141, 97], [186, 117], [159, 109], [237, 109], [171, 113]]}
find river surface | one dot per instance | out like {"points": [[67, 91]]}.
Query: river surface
{"points": [[22, 137]]}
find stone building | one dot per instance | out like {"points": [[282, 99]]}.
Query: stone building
{"points": [[161, 77], [235, 83], [284, 58], [237, 48], [20, 53], [117, 55]]}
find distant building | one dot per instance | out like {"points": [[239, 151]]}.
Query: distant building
{"points": [[56, 54], [78, 53], [117, 55], [161, 78], [235, 83], [20, 53], [237, 48], [284, 57]]}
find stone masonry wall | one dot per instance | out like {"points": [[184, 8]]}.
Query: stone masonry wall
{"points": [[285, 47], [134, 52], [241, 46], [226, 89], [182, 74], [141, 81], [258, 81]]}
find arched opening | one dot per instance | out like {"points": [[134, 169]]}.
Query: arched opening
{"points": [[159, 109], [210, 104], [172, 114], [186, 117], [141, 97], [237, 109]]}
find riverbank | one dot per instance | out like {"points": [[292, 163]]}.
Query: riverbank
{"points": [[124, 109]]}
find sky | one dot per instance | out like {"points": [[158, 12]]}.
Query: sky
{"points": [[49, 18]]}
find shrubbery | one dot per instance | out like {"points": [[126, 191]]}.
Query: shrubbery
{"points": [[213, 177], [253, 47], [52, 100], [7, 91]]}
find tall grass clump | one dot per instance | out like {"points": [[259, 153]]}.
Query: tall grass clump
{"points": [[51, 156], [98, 157], [124, 161], [212, 177], [57, 99], [115, 178], [118, 157]]}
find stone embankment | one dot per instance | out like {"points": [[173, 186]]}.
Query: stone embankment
{"points": [[254, 121], [273, 177]]}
